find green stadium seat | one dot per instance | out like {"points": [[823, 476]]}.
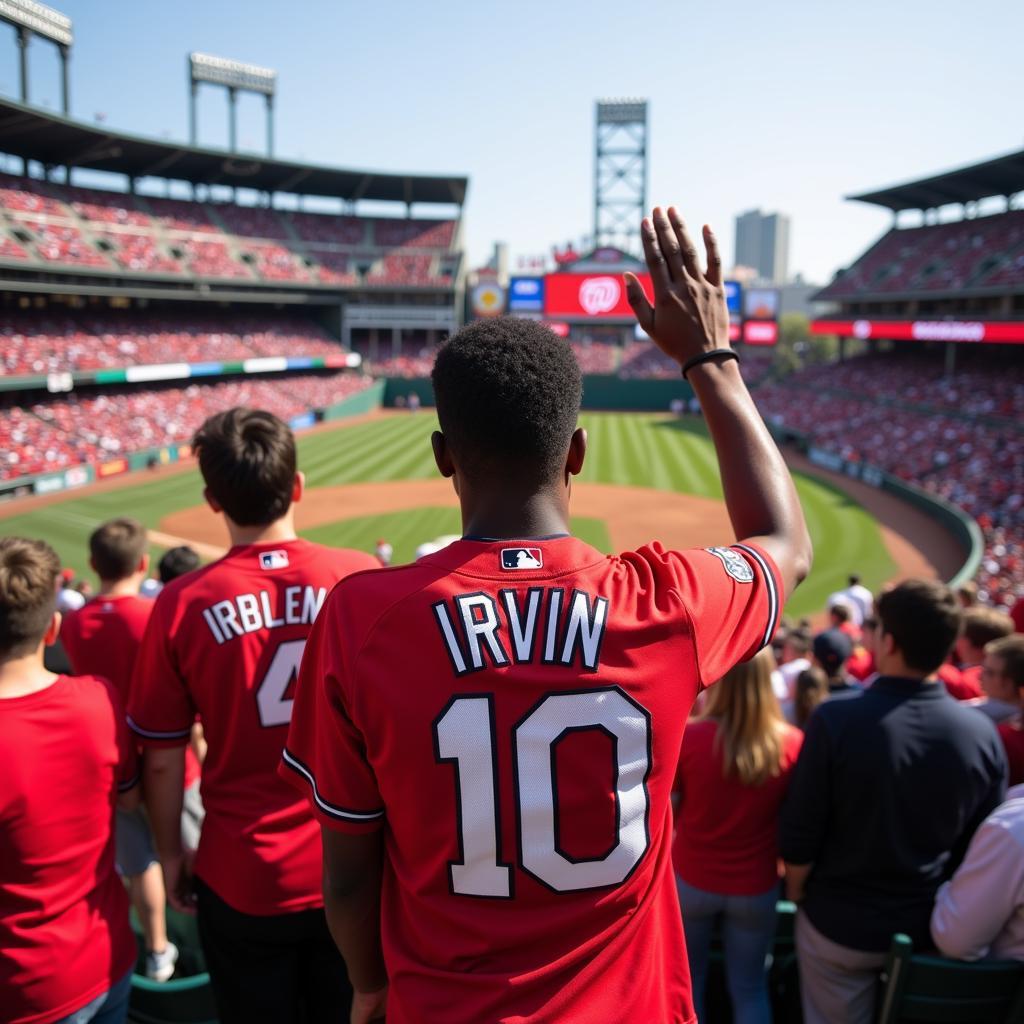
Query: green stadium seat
{"points": [[187, 997], [934, 990]]}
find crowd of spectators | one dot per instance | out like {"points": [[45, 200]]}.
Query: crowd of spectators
{"points": [[150, 234], [596, 356], [977, 464], [276, 262], [93, 428], [984, 384], [414, 357], [64, 243], [136, 251], [976, 252], [33, 343]]}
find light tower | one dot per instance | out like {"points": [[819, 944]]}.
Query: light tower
{"points": [[236, 77], [33, 19], [620, 171]]}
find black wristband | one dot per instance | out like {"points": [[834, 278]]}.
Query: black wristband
{"points": [[715, 353]]}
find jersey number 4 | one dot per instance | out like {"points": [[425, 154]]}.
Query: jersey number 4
{"points": [[273, 706], [465, 735]]}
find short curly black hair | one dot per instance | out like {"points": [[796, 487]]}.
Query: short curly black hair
{"points": [[508, 396]]}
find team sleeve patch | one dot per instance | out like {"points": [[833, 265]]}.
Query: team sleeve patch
{"points": [[331, 810], [734, 563], [774, 603]]}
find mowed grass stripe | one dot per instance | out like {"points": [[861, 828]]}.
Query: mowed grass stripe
{"points": [[364, 458], [326, 464], [637, 465], [326, 456]]}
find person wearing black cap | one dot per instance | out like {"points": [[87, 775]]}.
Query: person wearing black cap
{"points": [[888, 790], [832, 649]]}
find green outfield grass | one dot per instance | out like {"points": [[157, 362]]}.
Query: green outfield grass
{"points": [[643, 450]]}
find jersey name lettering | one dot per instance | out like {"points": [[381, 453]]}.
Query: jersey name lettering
{"points": [[543, 625], [249, 613]]}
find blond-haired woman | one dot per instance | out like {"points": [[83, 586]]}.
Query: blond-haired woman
{"points": [[734, 767]]}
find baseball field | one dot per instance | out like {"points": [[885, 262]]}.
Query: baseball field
{"points": [[647, 476]]}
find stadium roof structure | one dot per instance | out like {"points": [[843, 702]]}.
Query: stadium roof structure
{"points": [[57, 141], [1000, 176]]}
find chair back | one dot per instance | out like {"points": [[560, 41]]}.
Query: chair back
{"points": [[935, 990]]}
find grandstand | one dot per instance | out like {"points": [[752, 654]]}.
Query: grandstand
{"points": [[963, 261], [938, 400], [135, 273]]}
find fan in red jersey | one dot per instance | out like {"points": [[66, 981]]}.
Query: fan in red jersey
{"points": [[102, 638], [66, 948], [225, 642], [489, 736]]}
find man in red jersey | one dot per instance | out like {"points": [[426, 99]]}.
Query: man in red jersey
{"points": [[102, 638], [225, 642], [489, 736], [66, 948]]}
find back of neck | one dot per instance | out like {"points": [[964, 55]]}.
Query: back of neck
{"points": [[22, 676], [272, 533], [127, 587]]}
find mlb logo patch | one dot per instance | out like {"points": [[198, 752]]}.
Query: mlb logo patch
{"points": [[273, 559], [522, 558]]}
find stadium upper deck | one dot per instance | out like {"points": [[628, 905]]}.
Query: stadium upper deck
{"points": [[80, 236], [971, 268]]}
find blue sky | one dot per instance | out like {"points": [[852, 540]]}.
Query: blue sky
{"points": [[786, 106]]}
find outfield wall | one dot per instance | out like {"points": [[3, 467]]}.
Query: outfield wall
{"points": [[600, 392]]}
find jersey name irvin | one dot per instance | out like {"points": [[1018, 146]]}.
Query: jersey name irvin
{"points": [[249, 613], [542, 624]]}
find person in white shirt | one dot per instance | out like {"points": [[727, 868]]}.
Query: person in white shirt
{"points": [[979, 912], [68, 598], [861, 597]]}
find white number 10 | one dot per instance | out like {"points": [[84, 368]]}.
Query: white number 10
{"points": [[465, 734]]}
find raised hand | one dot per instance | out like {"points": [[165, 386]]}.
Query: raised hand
{"points": [[689, 314]]}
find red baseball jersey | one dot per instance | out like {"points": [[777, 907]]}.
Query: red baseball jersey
{"points": [[64, 932], [225, 642], [511, 713], [964, 684], [726, 832], [103, 637]]}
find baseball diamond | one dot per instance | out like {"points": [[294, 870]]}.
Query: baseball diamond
{"points": [[647, 475]]}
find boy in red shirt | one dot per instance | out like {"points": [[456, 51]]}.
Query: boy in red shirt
{"points": [[225, 642], [981, 626], [102, 638], [489, 736], [66, 948]]}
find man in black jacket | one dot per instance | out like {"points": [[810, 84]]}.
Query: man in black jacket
{"points": [[888, 790]]}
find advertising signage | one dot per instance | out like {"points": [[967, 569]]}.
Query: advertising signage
{"points": [[985, 331], [601, 296], [526, 295], [760, 332], [734, 299]]}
